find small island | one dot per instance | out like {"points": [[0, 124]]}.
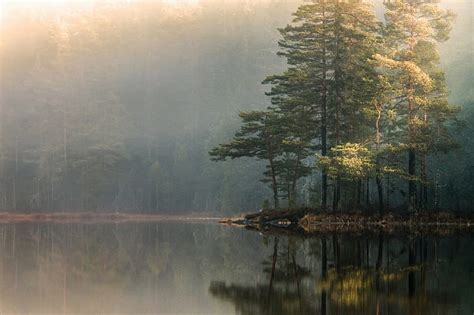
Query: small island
{"points": [[357, 125], [314, 222]]}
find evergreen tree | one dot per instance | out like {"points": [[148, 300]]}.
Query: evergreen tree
{"points": [[260, 137], [291, 97], [332, 41], [419, 95]]}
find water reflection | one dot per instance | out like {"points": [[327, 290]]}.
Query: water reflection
{"points": [[176, 268], [282, 292], [358, 276]]}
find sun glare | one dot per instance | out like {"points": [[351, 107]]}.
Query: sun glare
{"points": [[42, 2], [180, 2], [64, 2], [6, 4]]}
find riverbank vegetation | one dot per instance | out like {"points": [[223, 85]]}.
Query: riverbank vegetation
{"points": [[363, 104]]}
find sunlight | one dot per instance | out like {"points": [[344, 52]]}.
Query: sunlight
{"points": [[40, 2], [180, 2], [64, 2], [5, 5]]}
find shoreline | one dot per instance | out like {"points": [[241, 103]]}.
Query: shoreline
{"points": [[311, 222], [91, 217]]}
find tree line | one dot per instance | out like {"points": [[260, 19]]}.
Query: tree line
{"points": [[363, 103], [96, 118]]}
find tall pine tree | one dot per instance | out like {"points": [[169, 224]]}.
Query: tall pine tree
{"points": [[413, 30]]}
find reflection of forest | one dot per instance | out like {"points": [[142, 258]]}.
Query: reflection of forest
{"points": [[349, 276], [209, 269], [126, 268], [282, 293]]}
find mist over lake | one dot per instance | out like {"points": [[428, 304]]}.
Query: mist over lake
{"points": [[236, 157]]}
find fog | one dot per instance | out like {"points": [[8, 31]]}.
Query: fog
{"points": [[114, 106]]}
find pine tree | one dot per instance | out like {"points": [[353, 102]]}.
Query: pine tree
{"points": [[412, 32], [331, 41], [290, 97], [259, 137]]}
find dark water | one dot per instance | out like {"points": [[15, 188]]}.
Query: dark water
{"points": [[204, 268]]}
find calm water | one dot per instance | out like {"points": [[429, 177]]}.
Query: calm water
{"points": [[204, 268]]}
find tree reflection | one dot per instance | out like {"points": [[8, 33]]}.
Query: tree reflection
{"points": [[351, 276], [180, 268], [283, 293]]}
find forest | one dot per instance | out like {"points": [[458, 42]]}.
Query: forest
{"points": [[369, 99], [116, 106], [263, 157]]}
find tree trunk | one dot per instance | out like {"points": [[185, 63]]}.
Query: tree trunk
{"points": [[411, 181], [359, 191], [337, 194], [378, 173], [292, 200], [423, 186], [378, 180], [339, 100], [324, 176], [274, 184], [367, 193]]}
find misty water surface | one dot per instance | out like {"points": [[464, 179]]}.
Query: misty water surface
{"points": [[204, 268]]}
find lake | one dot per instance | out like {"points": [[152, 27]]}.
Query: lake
{"points": [[185, 267]]}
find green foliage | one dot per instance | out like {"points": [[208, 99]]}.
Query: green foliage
{"points": [[92, 117], [351, 161], [360, 92]]}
